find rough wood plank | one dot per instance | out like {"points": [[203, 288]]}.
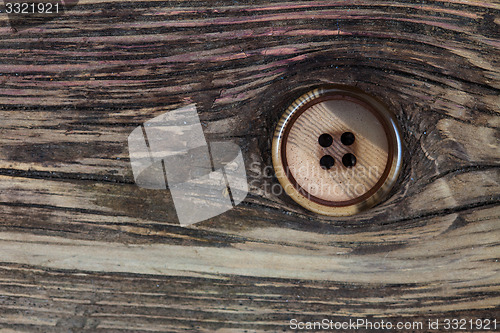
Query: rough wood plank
{"points": [[83, 249]]}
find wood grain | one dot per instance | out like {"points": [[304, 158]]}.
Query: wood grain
{"points": [[83, 249]]}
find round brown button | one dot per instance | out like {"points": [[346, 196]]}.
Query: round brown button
{"points": [[337, 151]]}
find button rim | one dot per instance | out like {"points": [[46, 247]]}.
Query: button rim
{"points": [[393, 166]]}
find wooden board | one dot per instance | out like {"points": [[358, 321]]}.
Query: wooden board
{"points": [[83, 249]]}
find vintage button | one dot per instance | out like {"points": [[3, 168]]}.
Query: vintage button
{"points": [[337, 151]]}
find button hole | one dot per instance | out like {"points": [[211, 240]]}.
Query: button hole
{"points": [[347, 138], [327, 162], [349, 160], [325, 140]]}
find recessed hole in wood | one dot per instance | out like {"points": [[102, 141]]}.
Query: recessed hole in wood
{"points": [[337, 124]]}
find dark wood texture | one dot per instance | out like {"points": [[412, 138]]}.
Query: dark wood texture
{"points": [[83, 249]]}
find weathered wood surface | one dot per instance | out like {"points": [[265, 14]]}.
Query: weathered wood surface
{"points": [[84, 249]]}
